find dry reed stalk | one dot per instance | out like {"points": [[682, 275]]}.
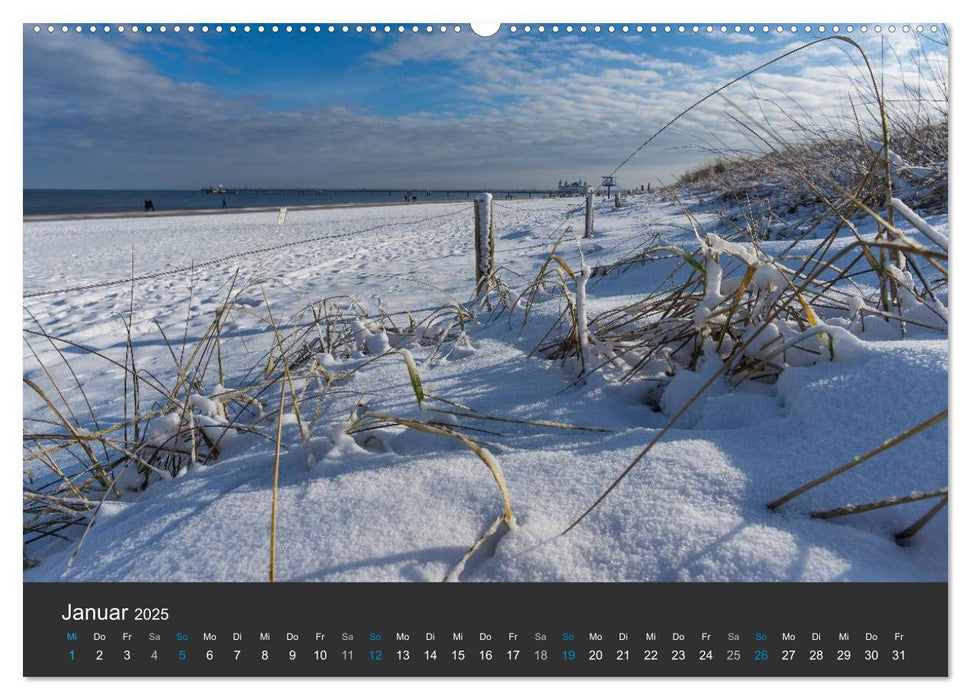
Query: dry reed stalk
{"points": [[916, 527], [886, 445], [481, 452], [875, 505], [276, 481]]}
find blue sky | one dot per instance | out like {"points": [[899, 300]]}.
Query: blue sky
{"points": [[153, 110]]}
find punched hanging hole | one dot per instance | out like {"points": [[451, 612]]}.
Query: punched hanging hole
{"points": [[485, 29]]}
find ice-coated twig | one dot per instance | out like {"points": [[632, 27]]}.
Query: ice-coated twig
{"points": [[918, 223]]}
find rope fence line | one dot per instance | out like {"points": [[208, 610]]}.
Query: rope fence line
{"points": [[570, 213], [505, 203], [255, 251]]}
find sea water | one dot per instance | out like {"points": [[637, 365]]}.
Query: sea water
{"points": [[53, 202]]}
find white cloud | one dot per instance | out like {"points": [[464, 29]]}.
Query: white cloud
{"points": [[521, 110]]}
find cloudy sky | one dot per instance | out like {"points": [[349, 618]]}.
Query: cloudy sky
{"points": [[152, 110]]}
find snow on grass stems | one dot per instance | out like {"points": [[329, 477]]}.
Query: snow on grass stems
{"points": [[932, 233], [885, 224], [736, 300], [726, 364], [887, 444], [906, 250], [413, 376]]}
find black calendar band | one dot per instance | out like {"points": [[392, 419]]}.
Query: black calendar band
{"points": [[509, 629]]}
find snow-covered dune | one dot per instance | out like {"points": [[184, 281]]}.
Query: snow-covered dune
{"points": [[407, 506]]}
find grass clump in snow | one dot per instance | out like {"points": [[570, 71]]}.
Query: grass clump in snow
{"points": [[206, 406], [730, 311]]}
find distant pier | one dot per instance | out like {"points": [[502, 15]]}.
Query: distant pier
{"points": [[416, 192]]}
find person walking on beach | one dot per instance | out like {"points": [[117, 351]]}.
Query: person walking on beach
{"points": [[149, 206], [224, 203]]}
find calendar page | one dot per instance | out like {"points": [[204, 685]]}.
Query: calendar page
{"points": [[448, 349]]}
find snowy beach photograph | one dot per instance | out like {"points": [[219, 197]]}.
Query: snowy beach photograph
{"points": [[405, 303]]}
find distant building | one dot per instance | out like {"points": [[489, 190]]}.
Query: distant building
{"points": [[571, 189]]}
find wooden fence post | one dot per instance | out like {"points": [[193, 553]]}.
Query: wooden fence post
{"points": [[485, 246], [588, 218]]}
